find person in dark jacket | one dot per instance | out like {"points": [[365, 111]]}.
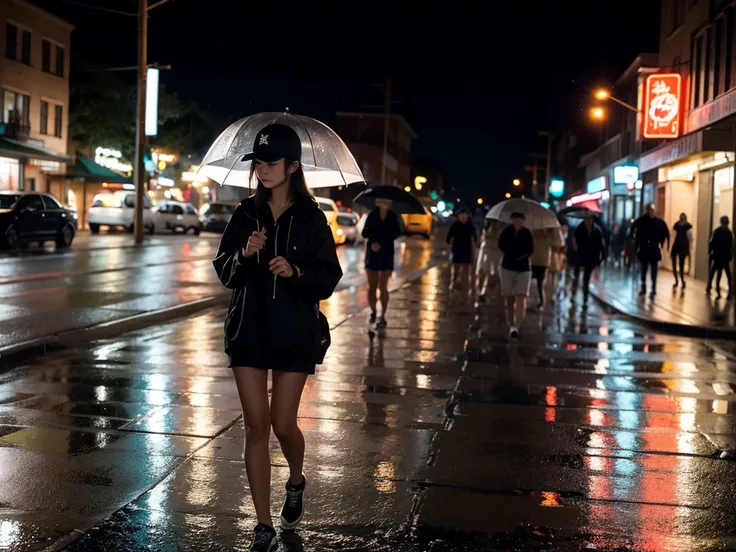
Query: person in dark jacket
{"points": [[721, 255], [590, 249], [650, 233], [382, 228], [517, 243], [680, 248], [278, 256], [463, 240]]}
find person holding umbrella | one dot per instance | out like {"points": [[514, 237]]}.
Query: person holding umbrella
{"points": [[278, 256], [382, 228], [517, 244]]}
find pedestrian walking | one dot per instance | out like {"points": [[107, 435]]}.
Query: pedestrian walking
{"points": [[618, 244], [382, 228], [650, 233], [541, 260], [517, 244], [721, 255], [463, 241], [278, 256], [681, 248], [590, 249]]}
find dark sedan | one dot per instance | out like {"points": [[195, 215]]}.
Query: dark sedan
{"points": [[35, 217], [214, 217]]}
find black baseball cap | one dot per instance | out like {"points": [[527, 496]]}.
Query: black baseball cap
{"points": [[274, 142], [518, 215]]}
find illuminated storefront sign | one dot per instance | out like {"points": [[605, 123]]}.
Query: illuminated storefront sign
{"points": [[151, 122], [684, 172], [556, 187], [111, 159], [661, 114], [625, 174], [597, 185]]}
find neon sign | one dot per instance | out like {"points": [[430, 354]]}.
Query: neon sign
{"points": [[662, 99]]}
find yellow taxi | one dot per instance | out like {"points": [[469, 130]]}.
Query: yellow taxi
{"points": [[419, 224], [329, 208]]}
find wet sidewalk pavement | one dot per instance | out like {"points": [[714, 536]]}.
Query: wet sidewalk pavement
{"points": [[691, 311], [589, 433]]}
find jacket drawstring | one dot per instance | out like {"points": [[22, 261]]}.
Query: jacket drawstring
{"points": [[275, 254], [258, 229], [276, 250]]}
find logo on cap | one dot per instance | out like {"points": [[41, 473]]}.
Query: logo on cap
{"points": [[264, 140]]}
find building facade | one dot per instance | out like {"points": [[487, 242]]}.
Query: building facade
{"points": [[34, 95]]}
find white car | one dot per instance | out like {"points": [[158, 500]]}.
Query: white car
{"points": [[117, 209], [348, 225], [174, 215]]}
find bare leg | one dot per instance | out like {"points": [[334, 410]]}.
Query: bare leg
{"points": [[372, 288], [285, 399], [252, 386], [520, 304], [510, 312], [383, 278]]}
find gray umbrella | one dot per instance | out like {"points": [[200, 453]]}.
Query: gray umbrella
{"points": [[326, 160]]}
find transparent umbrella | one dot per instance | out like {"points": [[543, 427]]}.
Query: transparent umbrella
{"points": [[537, 216], [326, 160]]}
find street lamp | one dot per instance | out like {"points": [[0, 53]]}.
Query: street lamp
{"points": [[407, 188], [598, 113], [419, 181], [508, 195], [480, 201], [517, 182], [603, 94]]}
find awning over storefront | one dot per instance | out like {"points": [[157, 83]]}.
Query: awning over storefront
{"points": [[702, 141], [87, 170], [20, 150]]}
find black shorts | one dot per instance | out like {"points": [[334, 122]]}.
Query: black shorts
{"points": [[379, 262], [538, 272], [262, 361]]}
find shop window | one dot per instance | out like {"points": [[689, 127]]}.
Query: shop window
{"points": [[722, 195], [9, 172]]}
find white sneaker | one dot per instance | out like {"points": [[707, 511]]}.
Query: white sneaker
{"points": [[513, 332]]}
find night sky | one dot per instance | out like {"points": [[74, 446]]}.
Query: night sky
{"points": [[475, 84]]}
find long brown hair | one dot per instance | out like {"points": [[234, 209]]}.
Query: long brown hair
{"points": [[298, 188]]}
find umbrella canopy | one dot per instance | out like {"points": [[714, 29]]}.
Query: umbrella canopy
{"points": [[326, 160], [537, 217], [401, 201]]}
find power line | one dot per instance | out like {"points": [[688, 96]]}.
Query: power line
{"points": [[98, 8]]}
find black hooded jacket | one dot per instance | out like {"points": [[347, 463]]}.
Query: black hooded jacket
{"points": [[270, 314]]}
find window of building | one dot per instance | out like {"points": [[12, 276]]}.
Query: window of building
{"points": [[52, 58], [18, 43], [676, 15], [15, 107], [696, 71], [44, 124], [717, 68], [58, 119], [708, 66]]}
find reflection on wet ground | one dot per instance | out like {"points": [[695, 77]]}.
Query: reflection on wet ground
{"points": [[437, 435]]}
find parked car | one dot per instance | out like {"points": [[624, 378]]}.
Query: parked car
{"points": [[174, 215], [329, 208], [35, 217], [116, 209], [215, 216], [348, 225]]}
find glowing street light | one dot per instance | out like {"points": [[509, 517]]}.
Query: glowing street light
{"points": [[480, 201], [407, 188], [598, 113], [517, 182], [419, 181], [508, 195], [602, 94]]}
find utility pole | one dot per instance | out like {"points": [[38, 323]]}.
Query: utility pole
{"points": [[140, 133], [548, 176], [535, 172], [385, 130]]}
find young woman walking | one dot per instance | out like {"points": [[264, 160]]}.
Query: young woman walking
{"points": [[278, 256]]}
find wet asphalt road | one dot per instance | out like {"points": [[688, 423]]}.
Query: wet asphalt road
{"points": [[105, 278], [589, 433]]}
